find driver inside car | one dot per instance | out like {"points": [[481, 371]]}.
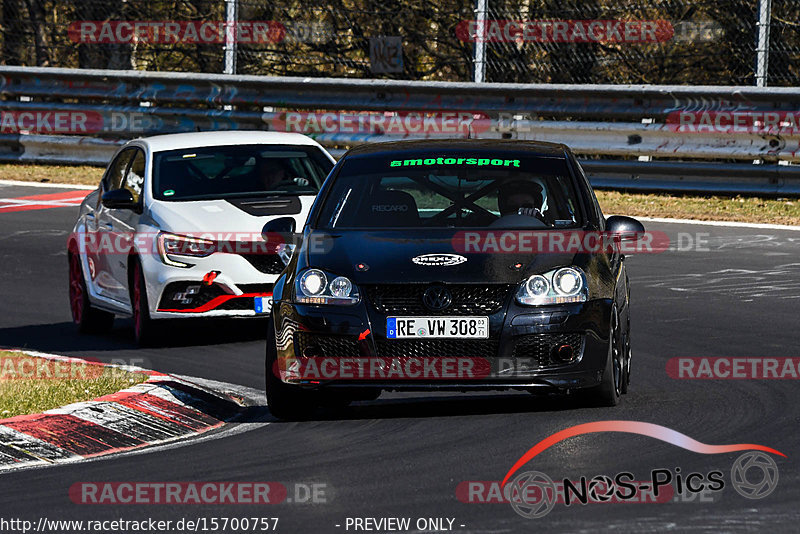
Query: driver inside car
{"points": [[520, 198], [274, 174], [271, 172]]}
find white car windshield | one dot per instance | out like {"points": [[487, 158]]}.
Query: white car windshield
{"points": [[238, 171]]}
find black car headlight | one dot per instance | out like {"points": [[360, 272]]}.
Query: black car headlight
{"points": [[314, 286], [560, 286]]}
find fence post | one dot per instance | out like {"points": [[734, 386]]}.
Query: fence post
{"points": [[231, 17], [762, 49], [479, 72]]}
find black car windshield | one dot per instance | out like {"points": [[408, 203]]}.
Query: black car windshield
{"points": [[447, 189], [217, 172]]}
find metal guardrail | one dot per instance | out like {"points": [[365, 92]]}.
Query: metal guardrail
{"points": [[577, 101], [597, 121], [694, 177], [677, 177], [59, 150]]}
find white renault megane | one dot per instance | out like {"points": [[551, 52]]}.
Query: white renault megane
{"points": [[174, 228]]}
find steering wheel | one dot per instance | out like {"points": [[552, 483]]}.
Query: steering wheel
{"points": [[289, 183]]}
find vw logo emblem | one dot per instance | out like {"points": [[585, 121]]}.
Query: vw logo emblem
{"points": [[437, 298]]}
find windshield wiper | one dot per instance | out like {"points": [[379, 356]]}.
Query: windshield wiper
{"points": [[252, 194]]}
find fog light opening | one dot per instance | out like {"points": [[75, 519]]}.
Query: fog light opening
{"points": [[564, 353], [313, 351]]}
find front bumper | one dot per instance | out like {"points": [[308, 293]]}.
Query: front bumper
{"points": [[182, 292], [334, 346]]}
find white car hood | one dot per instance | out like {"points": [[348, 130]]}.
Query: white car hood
{"points": [[216, 217]]}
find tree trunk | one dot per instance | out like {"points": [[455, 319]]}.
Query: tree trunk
{"points": [[102, 55], [41, 41], [12, 32]]}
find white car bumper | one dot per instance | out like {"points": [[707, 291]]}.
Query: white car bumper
{"points": [[174, 292]]}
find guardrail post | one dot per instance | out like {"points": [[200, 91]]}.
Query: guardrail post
{"points": [[762, 49], [479, 73], [231, 17]]}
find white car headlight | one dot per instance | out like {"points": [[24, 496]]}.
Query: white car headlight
{"points": [[312, 287], [171, 245], [560, 286]]}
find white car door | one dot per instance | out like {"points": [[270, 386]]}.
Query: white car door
{"points": [[114, 232], [124, 222]]}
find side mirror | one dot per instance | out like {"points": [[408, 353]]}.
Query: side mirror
{"points": [[281, 225], [280, 234], [625, 228], [121, 199]]}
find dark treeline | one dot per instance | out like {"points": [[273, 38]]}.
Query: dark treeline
{"points": [[714, 41]]}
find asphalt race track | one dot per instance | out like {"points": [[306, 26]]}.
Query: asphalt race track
{"points": [[405, 454]]}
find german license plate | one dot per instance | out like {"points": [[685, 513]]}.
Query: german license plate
{"points": [[263, 304], [437, 327]]}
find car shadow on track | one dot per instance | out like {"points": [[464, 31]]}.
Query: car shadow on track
{"points": [[425, 407], [58, 337]]}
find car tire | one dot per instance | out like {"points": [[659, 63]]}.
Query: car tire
{"points": [[145, 330], [284, 401], [626, 379], [626, 364], [343, 398], [335, 400], [366, 394], [610, 388], [86, 317]]}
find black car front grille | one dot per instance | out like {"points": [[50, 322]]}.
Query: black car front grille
{"points": [[467, 299], [539, 347], [325, 345], [542, 347], [265, 263], [437, 348]]}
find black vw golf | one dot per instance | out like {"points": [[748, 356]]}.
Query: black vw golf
{"points": [[450, 265]]}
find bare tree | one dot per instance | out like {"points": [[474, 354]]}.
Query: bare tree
{"points": [[38, 16], [102, 55], [13, 32]]}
